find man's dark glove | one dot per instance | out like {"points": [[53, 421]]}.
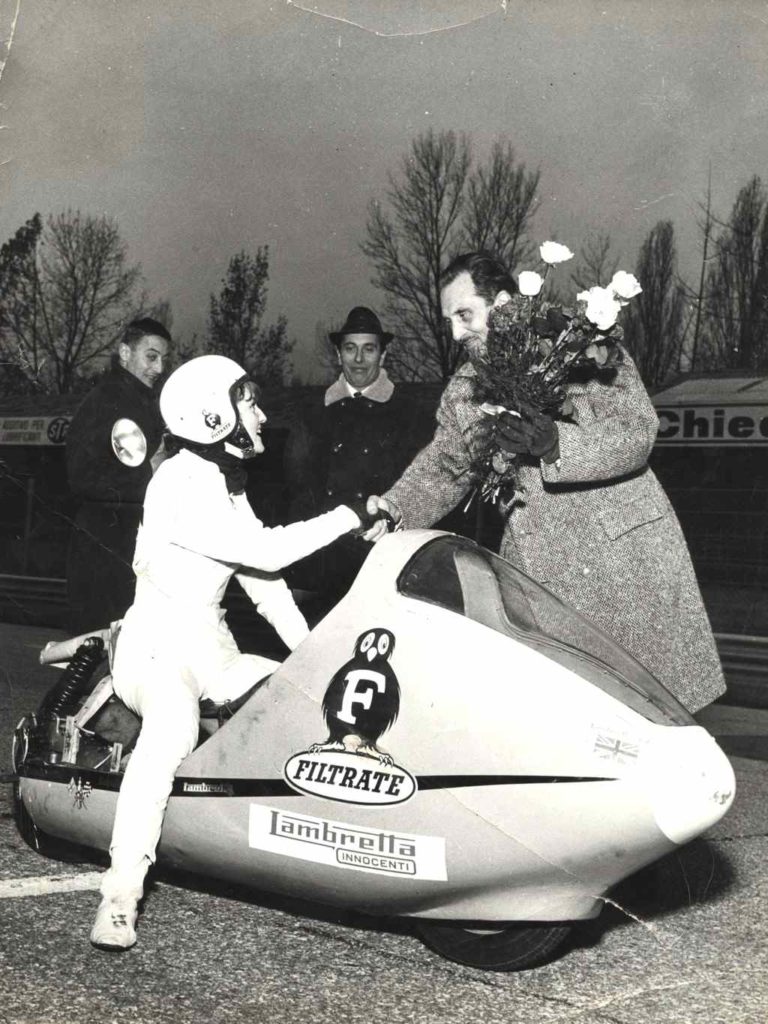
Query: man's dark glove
{"points": [[359, 507], [532, 433]]}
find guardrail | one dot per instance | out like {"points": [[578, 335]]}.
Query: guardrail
{"points": [[745, 664], [42, 601], [33, 600]]}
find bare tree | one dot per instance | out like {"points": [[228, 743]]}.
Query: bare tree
{"points": [[67, 293], [500, 204], [706, 226], [21, 351], [326, 354], [436, 207], [163, 313], [408, 251], [235, 315], [654, 324], [736, 306], [596, 265]]}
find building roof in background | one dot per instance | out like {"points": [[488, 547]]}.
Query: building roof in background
{"points": [[718, 390]]}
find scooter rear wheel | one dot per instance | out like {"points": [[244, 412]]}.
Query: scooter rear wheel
{"points": [[509, 949]]}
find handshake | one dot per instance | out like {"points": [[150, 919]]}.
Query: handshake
{"points": [[377, 517]]}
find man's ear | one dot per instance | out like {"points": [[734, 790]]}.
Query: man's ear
{"points": [[383, 357], [123, 353], [501, 297]]}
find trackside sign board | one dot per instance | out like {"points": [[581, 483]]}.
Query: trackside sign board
{"points": [[724, 426], [34, 430], [716, 411]]}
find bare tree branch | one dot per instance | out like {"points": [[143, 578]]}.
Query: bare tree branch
{"points": [[596, 265], [501, 204], [67, 292], [435, 207], [235, 315], [654, 324], [735, 332]]}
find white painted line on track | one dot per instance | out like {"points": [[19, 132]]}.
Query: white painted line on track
{"points": [[47, 885]]}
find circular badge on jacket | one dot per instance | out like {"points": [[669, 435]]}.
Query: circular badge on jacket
{"points": [[129, 443]]}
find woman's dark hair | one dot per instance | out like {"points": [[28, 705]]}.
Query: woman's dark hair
{"points": [[142, 328], [488, 274]]}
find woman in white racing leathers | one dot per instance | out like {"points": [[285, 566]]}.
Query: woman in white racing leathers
{"points": [[174, 646]]}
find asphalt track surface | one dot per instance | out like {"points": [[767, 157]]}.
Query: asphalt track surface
{"points": [[685, 940]]}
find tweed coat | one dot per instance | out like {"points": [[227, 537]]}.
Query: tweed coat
{"points": [[596, 527]]}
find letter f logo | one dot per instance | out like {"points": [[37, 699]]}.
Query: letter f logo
{"points": [[353, 695]]}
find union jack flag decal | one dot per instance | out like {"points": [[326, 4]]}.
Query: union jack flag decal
{"points": [[615, 748]]}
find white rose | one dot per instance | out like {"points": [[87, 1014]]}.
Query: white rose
{"points": [[624, 285], [554, 252], [529, 282], [602, 307]]}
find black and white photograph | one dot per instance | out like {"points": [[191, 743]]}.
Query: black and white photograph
{"points": [[383, 511]]}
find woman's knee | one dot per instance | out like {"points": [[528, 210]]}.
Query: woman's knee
{"points": [[171, 724]]}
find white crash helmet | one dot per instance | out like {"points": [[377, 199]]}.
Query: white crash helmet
{"points": [[198, 402]]}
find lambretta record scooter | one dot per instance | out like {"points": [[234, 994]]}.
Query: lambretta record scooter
{"points": [[451, 744]]}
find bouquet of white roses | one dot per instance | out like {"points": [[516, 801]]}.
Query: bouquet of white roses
{"points": [[533, 350]]}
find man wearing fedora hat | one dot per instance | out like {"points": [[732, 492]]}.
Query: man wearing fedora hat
{"points": [[353, 441]]}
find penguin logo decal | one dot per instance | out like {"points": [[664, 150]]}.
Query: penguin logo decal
{"points": [[363, 698], [212, 419], [361, 702]]}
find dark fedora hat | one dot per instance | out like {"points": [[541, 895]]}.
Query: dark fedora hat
{"points": [[361, 320]]}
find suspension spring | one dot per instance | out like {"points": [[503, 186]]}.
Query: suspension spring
{"points": [[74, 678]]}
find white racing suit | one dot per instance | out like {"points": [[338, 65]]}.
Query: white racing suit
{"points": [[175, 647]]}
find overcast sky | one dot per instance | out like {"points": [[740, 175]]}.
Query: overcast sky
{"points": [[208, 127]]}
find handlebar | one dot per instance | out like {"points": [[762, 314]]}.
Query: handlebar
{"points": [[56, 651]]}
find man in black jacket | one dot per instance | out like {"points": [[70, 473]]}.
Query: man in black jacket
{"points": [[358, 436], [112, 440]]}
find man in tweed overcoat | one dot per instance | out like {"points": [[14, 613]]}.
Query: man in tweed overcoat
{"points": [[592, 522]]}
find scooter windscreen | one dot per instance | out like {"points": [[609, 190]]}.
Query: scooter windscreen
{"points": [[456, 574]]}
